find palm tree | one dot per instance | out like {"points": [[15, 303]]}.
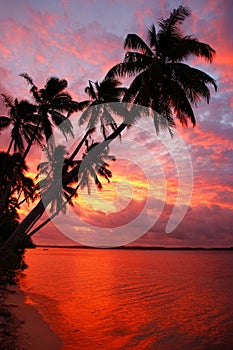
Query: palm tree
{"points": [[83, 172], [94, 164], [23, 185], [79, 173], [9, 217], [163, 82], [51, 171], [100, 104], [100, 108], [21, 115], [52, 102]]}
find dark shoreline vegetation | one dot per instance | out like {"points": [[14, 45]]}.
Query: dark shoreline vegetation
{"points": [[12, 269], [162, 87]]}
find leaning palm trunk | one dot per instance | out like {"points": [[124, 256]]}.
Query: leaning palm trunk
{"points": [[29, 221], [45, 222], [19, 234], [77, 149], [73, 155]]}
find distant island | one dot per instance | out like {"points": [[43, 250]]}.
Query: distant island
{"points": [[134, 247]]}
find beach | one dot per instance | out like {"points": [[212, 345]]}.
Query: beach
{"points": [[21, 325]]}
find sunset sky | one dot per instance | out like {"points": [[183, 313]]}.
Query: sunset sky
{"points": [[81, 41]]}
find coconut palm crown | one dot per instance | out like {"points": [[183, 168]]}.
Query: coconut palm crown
{"points": [[21, 116], [161, 80], [101, 108], [52, 102]]}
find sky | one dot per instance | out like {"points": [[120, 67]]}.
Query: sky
{"points": [[81, 41]]}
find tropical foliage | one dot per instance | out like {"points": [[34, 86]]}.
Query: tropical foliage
{"points": [[160, 82], [102, 97], [23, 190], [51, 102], [21, 118]]}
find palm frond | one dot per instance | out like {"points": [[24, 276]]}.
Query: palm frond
{"points": [[134, 88], [95, 116], [27, 78], [134, 42], [181, 104], [82, 105], [118, 109], [136, 113], [151, 33], [25, 109], [34, 88], [194, 81], [124, 69], [32, 133], [4, 122], [8, 101], [42, 166], [171, 24], [190, 46], [89, 90], [85, 116], [53, 87]]}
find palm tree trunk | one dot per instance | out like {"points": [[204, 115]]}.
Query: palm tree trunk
{"points": [[19, 232], [115, 134], [9, 147], [45, 222], [77, 149], [30, 220]]}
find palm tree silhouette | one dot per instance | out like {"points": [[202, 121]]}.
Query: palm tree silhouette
{"points": [[162, 81], [23, 184], [81, 172], [101, 109], [22, 118], [53, 170], [95, 163], [52, 101]]}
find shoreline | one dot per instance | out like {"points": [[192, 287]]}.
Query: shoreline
{"points": [[46, 247], [22, 326]]}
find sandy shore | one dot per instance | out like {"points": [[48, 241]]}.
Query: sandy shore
{"points": [[21, 325]]}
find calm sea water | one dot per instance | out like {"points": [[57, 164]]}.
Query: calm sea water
{"points": [[114, 299]]}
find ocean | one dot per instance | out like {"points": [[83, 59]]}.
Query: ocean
{"points": [[133, 299]]}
